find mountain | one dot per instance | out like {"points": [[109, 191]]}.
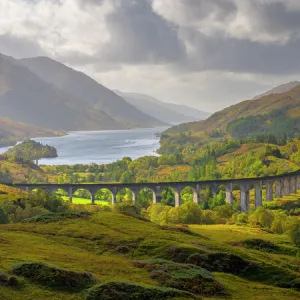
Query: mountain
{"points": [[279, 89], [86, 92], [287, 103], [11, 132], [166, 112], [24, 97]]}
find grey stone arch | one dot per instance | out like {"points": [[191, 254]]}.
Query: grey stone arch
{"points": [[66, 190], [152, 189], [112, 191], [293, 184], [244, 188], [279, 185], [212, 186], [81, 188], [270, 186], [39, 188], [132, 190], [195, 192], [175, 189], [286, 186], [56, 189]]}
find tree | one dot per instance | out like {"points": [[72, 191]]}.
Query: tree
{"points": [[3, 217], [295, 234]]}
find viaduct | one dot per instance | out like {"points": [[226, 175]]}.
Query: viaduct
{"points": [[275, 186]]}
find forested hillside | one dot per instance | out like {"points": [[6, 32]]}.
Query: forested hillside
{"points": [[216, 125]]}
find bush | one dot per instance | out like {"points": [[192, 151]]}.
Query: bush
{"points": [[295, 234], [128, 206], [3, 217], [220, 262], [262, 216], [120, 290], [123, 249], [11, 281], [182, 276], [242, 218], [48, 218], [54, 276], [230, 263], [260, 244]]}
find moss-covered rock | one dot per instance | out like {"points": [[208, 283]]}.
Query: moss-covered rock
{"points": [[183, 276], [118, 290], [54, 276]]}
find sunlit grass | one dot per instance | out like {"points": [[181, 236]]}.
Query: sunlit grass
{"points": [[76, 200]]}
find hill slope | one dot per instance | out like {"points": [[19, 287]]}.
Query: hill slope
{"points": [[166, 112], [92, 243], [24, 97], [86, 92], [219, 120], [279, 89], [11, 132]]}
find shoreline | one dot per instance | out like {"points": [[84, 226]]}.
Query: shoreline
{"points": [[101, 146], [66, 133]]}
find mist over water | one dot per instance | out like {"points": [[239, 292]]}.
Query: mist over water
{"points": [[101, 147]]}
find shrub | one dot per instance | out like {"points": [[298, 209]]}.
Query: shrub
{"points": [[183, 276], [54, 276], [220, 262], [11, 281], [120, 290], [262, 216], [260, 244], [295, 234], [123, 249], [128, 206], [242, 218], [3, 217], [48, 218]]}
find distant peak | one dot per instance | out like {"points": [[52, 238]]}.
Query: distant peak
{"points": [[283, 88]]}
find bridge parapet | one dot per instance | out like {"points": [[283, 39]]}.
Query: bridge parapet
{"points": [[277, 186]]}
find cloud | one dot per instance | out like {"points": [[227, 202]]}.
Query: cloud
{"points": [[19, 47], [138, 35], [180, 50], [263, 21]]}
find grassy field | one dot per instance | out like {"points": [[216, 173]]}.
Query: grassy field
{"points": [[92, 244], [76, 200]]}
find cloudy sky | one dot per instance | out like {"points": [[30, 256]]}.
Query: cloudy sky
{"points": [[206, 53]]}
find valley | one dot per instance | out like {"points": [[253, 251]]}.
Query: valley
{"points": [[164, 237]]}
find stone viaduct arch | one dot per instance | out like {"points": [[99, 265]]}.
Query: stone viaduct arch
{"points": [[275, 186]]}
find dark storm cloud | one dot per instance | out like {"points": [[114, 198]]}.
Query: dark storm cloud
{"points": [[235, 55], [274, 18], [257, 36], [138, 35]]}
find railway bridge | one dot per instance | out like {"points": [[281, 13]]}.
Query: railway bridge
{"points": [[275, 187]]}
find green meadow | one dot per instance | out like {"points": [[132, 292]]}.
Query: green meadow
{"points": [[94, 243]]}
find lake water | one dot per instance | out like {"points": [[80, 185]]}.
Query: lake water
{"points": [[101, 147]]}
